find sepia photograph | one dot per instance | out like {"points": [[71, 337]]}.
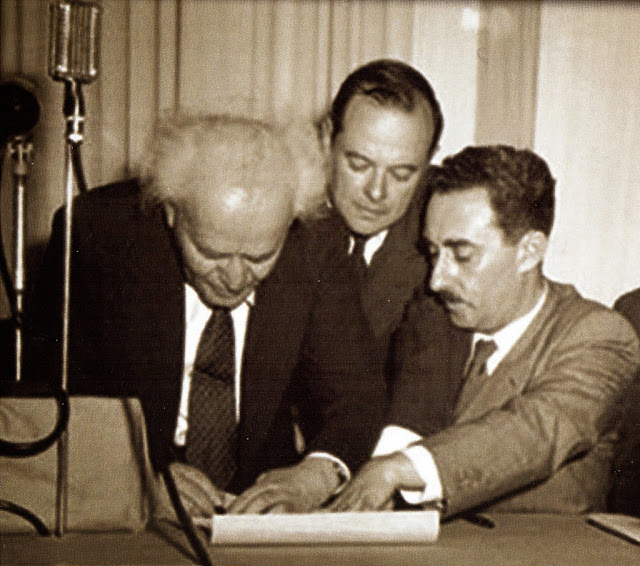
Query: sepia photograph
{"points": [[319, 282]]}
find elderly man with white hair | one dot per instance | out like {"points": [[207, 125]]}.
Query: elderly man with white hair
{"points": [[200, 289]]}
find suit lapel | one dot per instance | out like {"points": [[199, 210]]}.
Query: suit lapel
{"points": [[512, 375], [272, 345], [396, 269]]}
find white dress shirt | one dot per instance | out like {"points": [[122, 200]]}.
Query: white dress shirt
{"points": [[196, 316], [395, 438], [371, 246]]}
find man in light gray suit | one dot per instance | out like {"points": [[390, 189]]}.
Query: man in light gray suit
{"points": [[532, 372]]}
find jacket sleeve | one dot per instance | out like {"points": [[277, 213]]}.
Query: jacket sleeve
{"points": [[562, 413], [43, 321]]}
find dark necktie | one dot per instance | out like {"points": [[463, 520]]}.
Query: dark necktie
{"points": [[476, 371], [211, 436], [357, 255]]}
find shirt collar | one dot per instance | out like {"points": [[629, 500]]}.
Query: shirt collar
{"points": [[193, 301], [371, 246], [506, 337]]}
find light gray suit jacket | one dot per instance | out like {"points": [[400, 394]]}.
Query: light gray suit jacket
{"points": [[539, 434]]}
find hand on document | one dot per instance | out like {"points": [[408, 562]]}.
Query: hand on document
{"points": [[373, 487], [198, 494], [296, 489]]}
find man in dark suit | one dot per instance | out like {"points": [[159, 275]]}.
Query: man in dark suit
{"points": [[217, 232], [382, 130], [625, 492], [535, 373]]}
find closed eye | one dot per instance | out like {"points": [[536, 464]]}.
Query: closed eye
{"points": [[260, 258], [403, 173], [357, 162], [463, 257]]}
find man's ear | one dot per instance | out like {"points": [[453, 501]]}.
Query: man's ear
{"points": [[326, 131], [531, 250], [169, 214]]}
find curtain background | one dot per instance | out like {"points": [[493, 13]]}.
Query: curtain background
{"points": [[562, 78]]}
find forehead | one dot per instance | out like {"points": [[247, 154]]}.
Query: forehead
{"points": [[371, 125], [234, 220], [464, 215]]}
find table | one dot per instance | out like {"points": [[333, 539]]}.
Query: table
{"points": [[517, 539]]}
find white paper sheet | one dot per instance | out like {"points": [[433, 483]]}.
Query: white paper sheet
{"points": [[336, 528], [623, 526]]}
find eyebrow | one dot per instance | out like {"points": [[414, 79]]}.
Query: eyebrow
{"points": [[452, 243], [353, 153], [262, 257], [214, 254], [457, 243]]}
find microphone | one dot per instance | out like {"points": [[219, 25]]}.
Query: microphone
{"points": [[74, 43], [74, 48], [19, 110]]}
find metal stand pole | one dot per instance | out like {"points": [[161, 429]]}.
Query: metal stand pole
{"points": [[74, 112], [21, 149]]}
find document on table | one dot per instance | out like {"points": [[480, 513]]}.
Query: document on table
{"points": [[624, 526], [378, 527]]}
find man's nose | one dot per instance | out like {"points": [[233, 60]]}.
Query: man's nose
{"points": [[376, 188], [439, 275], [234, 274]]}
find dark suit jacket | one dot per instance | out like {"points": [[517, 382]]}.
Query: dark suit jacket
{"points": [[306, 335], [539, 434], [397, 271], [625, 492]]}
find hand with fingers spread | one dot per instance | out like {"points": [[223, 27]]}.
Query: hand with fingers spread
{"points": [[373, 487], [297, 489]]}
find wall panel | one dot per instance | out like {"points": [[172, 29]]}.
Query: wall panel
{"points": [[588, 119], [508, 47], [445, 46]]}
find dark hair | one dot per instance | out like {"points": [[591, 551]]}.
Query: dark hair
{"points": [[388, 82], [519, 183]]}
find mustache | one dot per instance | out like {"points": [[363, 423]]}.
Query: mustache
{"points": [[449, 297]]}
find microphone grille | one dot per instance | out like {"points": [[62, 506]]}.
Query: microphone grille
{"points": [[74, 46]]}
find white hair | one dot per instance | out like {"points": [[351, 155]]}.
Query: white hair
{"points": [[189, 148]]}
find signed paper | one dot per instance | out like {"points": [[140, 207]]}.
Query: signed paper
{"points": [[381, 527]]}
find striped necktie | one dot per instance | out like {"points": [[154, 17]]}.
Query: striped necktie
{"points": [[211, 436]]}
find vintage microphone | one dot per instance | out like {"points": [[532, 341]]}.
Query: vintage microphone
{"points": [[19, 113], [74, 47], [74, 59]]}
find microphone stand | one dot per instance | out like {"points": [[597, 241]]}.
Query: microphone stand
{"points": [[21, 149], [74, 113]]}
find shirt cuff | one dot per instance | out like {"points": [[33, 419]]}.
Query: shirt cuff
{"points": [[341, 469], [394, 438], [425, 467]]}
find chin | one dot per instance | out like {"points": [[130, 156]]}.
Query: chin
{"points": [[225, 301], [232, 302], [366, 228], [460, 321]]}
